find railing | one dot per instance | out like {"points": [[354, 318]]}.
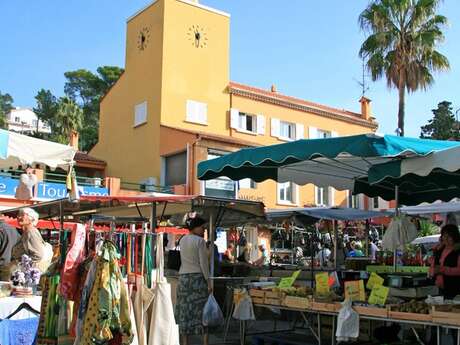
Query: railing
{"points": [[57, 178], [143, 187]]}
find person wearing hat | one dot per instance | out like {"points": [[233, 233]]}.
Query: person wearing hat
{"points": [[31, 243], [27, 183], [194, 285], [264, 259]]}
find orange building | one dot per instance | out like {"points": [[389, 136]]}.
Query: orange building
{"points": [[175, 106]]}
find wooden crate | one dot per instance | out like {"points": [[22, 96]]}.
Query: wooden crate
{"points": [[446, 314], [371, 311], [273, 294], [257, 300], [257, 293], [296, 302], [331, 307], [410, 316], [272, 301]]}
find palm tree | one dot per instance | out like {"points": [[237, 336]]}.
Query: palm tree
{"points": [[69, 117], [403, 35]]}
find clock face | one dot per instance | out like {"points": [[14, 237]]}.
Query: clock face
{"points": [[143, 38], [197, 36]]}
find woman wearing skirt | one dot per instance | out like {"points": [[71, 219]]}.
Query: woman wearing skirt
{"points": [[194, 287]]}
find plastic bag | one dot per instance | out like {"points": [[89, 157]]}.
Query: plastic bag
{"points": [[243, 309], [347, 323], [212, 315]]}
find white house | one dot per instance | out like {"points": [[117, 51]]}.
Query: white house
{"points": [[24, 120]]}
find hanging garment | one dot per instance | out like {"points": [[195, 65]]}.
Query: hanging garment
{"points": [[108, 303], [83, 306], [163, 323], [69, 274], [133, 319], [46, 333], [18, 332]]}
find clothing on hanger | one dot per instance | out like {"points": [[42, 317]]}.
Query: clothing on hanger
{"points": [[18, 332]]}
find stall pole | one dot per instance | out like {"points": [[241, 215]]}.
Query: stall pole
{"points": [[397, 215], [153, 227], [336, 233], [211, 239], [292, 243]]}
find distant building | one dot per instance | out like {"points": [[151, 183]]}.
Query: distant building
{"points": [[24, 120]]}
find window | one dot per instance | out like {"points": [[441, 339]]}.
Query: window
{"points": [[323, 134], [221, 187], [196, 112], [247, 122], [354, 201], [287, 193], [140, 114], [17, 119], [175, 169], [324, 196], [375, 202], [247, 183], [287, 130]]}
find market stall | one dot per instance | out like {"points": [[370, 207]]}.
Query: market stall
{"points": [[386, 166]]}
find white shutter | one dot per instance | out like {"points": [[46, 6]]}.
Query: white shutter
{"points": [[299, 131], [190, 111], [140, 113], [202, 113], [260, 124], [334, 134], [312, 133], [331, 196], [234, 118], [196, 112], [275, 127]]}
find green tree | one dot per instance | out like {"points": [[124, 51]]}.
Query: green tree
{"points": [[46, 108], [443, 125], [87, 88], [6, 105], [69, 117], [401, 45]]}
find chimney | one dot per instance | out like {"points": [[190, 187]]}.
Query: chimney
{"points": [[273, 88], [365, 108], [73, 140]]}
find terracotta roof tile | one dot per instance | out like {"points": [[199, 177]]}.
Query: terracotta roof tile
{"points": [[83, 157], [297, 103]]}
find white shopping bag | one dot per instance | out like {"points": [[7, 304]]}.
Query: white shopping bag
{"points": [[244, 309], [347, 323], [164, 330]]}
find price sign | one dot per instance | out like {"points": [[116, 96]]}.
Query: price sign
{"points": [[288, 281], [374, 280], [379, 295], [322, 283], [354, 290]]}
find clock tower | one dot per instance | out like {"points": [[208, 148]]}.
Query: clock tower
{"points": [[176, 75]]}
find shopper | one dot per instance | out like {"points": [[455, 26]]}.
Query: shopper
{"points": [[323, 255], [9, 236], [445, 267], [264, 259], [355, 250], [194, 284], [246, 254], [228, 254], [31, 243], [373, 249]]}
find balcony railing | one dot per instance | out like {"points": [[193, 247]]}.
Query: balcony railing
{"points": [[149, 188]]}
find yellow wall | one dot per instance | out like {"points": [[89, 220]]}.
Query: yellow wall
{"points": [[195, 73], [133, 153]]}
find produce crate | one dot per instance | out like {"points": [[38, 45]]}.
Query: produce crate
{"points": [[331, 307], [273, 294], [257, 293], [446, 314], [408, 316], [258, 300], [272, 301], [371, 311], [296, 302]]}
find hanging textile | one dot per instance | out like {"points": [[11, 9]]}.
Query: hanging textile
{"points": [[69, 274], [108, 311], [47, 326], [148, 260], [166, 331]]}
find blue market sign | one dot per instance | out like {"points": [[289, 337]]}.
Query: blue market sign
{"points": [[47, 190]]}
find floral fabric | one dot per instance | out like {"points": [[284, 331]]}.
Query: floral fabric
{"points": [[18, 332]]}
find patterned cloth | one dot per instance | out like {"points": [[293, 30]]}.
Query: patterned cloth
{"points": [[108, 311], [18, 332], [192, 294]]}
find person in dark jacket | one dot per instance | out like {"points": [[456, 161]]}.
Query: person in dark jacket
{"points": [[446, 264], [9, 237]]}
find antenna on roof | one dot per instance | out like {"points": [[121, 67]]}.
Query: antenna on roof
{"points": [[363, 83]]}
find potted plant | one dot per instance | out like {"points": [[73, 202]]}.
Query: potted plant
{"points": [[26, 278]]}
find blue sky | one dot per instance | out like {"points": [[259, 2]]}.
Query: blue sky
{"points": [[309, 49]]}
